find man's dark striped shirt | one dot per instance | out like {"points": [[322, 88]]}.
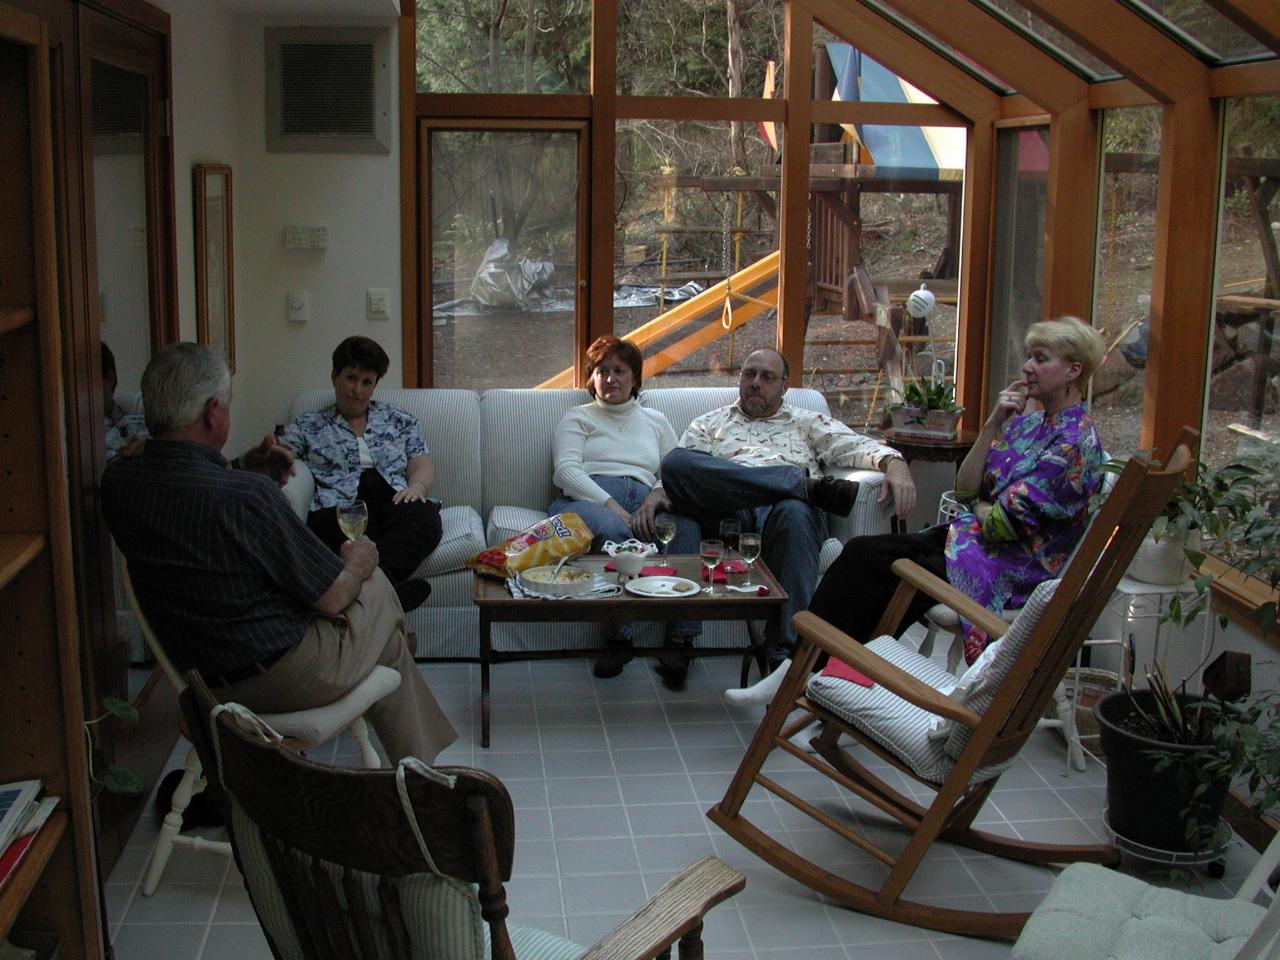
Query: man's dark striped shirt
{"points": [[223, 567]]}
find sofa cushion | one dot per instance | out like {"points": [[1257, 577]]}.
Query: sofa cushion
{"points": [[462, 537], [516, 446], [507, 521], [450, 422]]}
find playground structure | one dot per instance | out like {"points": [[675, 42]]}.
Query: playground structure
{"points": [[855, 160]]}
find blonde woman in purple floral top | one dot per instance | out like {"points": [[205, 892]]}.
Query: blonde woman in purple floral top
{"points": [[1026, 481]]}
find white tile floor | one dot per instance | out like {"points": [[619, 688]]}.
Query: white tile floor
{"points": [[611, 779]]}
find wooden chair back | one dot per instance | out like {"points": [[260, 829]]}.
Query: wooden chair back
{"points": [[1085, 587], [321, 827]]}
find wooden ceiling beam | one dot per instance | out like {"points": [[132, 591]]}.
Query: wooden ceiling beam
{"points": [[1004, 52], [1129, 44], [892, 114], [906, 56], [1258, 18], [1245, 79]]}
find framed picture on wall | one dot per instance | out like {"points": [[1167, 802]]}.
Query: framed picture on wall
{"points": [[215, 301]]}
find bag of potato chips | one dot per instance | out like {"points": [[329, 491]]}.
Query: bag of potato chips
{"points": [[546, 541]]}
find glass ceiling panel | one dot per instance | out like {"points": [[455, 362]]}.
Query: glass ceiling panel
{"points": [[946, 50], [1052, 40], [1206, 31]]}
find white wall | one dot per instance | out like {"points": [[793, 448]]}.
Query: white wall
{"points": [[220, 109], [357, 197]]}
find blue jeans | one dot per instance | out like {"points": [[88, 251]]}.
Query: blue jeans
{"points": [[606, 525], [772, 500]]}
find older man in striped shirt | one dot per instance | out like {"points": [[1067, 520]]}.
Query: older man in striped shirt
{"points": [[235, 584]]}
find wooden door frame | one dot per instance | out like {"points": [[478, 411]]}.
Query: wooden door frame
{"points": [[418, 348]]}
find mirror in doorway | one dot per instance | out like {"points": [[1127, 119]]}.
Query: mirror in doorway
{"points": [[215, 308]]}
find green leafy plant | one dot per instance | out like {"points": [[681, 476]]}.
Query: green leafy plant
{"points": [[1242, 740], [117, 778], [929, 396]]}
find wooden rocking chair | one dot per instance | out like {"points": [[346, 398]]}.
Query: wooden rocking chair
{"points": [[350, 864], [956, 742]]}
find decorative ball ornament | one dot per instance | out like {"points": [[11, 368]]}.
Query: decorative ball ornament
{"points": [[920, 303]]}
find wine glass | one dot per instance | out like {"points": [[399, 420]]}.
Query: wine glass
{"points": [[730, 530], [749, 549], [711, 552], [352, 519], [665, 528]]}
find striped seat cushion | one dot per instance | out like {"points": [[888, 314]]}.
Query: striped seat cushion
{"points": [[910, 732], [462, 537]]}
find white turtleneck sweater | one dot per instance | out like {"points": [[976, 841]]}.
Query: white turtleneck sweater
{"points": [[612, 440]]}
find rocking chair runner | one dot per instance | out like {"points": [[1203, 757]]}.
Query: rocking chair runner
{"points": [[348, 864], [957, 744]]}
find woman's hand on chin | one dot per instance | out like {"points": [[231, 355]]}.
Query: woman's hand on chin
{"points": [[1010, 402]]}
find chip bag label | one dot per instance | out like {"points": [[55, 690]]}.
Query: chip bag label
{"points": [[562, 535]]}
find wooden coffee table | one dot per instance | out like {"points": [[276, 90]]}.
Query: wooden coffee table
{"points": [[498, 606]]}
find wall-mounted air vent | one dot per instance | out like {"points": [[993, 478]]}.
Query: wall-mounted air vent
{"points": [[328, 90]]}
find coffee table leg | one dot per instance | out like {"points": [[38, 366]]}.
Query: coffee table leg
{"points": [[761, 644], [485, 648]]}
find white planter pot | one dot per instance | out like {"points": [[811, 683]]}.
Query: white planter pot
{"points": [[1164, 561]]}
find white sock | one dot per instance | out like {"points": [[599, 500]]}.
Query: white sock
{"points": [[762, 692]]}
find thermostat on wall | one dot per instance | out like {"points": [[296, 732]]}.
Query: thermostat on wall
{"points": [[310, 238]]}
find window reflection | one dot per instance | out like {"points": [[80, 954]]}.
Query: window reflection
{"points": [[1126, 252], [1243, 415]]}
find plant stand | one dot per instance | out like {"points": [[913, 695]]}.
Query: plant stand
{"points": [[1211, 858]]}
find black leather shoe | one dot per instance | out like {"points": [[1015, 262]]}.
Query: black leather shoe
{"points": [[832, 495], [413, 593], [610, 663], [673, 665]]}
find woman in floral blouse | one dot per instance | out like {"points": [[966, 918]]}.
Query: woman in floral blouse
{"points": [[360, 449], [1026, 483]]}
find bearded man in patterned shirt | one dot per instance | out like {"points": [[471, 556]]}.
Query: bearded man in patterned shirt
{"points": [[762, 461]]}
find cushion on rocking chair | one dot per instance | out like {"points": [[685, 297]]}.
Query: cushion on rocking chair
{"points": [[909, 732], [1093, 913]]}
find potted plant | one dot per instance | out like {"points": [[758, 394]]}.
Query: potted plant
{"points": [[927, 409], [1171, 757], [1204, 507]]}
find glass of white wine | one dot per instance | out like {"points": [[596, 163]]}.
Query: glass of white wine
{"points": [[665, 528], [749, 549], [711, 552], [352, 519]]}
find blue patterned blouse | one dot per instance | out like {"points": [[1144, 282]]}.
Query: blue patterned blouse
{"points": [[327, 443], [1039, 477]]}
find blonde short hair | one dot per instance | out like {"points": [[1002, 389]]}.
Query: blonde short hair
{"points": [[1071, 339]]}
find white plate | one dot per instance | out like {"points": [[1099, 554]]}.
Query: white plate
{"points": [[661, 587]]}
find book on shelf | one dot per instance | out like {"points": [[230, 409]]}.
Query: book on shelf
{"points": [[17, 800], [20, 844]]}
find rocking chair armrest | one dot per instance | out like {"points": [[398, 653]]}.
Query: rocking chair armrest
{"points": [[890, 676], [671, 912], [915, 577]]}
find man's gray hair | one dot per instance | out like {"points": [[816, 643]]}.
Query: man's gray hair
{"points": [[178, 382]]}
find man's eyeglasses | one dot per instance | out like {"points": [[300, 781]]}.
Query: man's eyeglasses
{"points": [[767, 376]]}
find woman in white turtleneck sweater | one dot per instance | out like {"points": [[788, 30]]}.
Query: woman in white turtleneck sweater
{"points": [[607, 455]]}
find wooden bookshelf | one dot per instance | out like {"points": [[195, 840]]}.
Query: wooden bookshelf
{"points": [[55, 886], [13, 895], [16, 551]]}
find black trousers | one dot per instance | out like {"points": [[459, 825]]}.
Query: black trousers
{"points": [[858, 586], [405, 533]]}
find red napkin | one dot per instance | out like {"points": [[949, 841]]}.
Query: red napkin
{"points": [[838, 668], [724, 568], [652, 571]]}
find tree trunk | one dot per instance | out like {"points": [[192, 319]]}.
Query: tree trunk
{"points": [[737, 133]]}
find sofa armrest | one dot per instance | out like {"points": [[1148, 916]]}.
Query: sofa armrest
{"points": [[300, 489], [867, 516]]}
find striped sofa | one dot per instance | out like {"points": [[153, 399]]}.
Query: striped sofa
{"points": [[492, 455]]}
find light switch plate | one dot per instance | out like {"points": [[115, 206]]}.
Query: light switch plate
{"points": [[299, 310], [377, 300]]}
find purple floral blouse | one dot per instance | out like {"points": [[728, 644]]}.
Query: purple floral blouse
{"points": [[1040, 476]]}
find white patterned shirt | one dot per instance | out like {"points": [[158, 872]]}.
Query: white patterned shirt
{"points": [[806, 439]]}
